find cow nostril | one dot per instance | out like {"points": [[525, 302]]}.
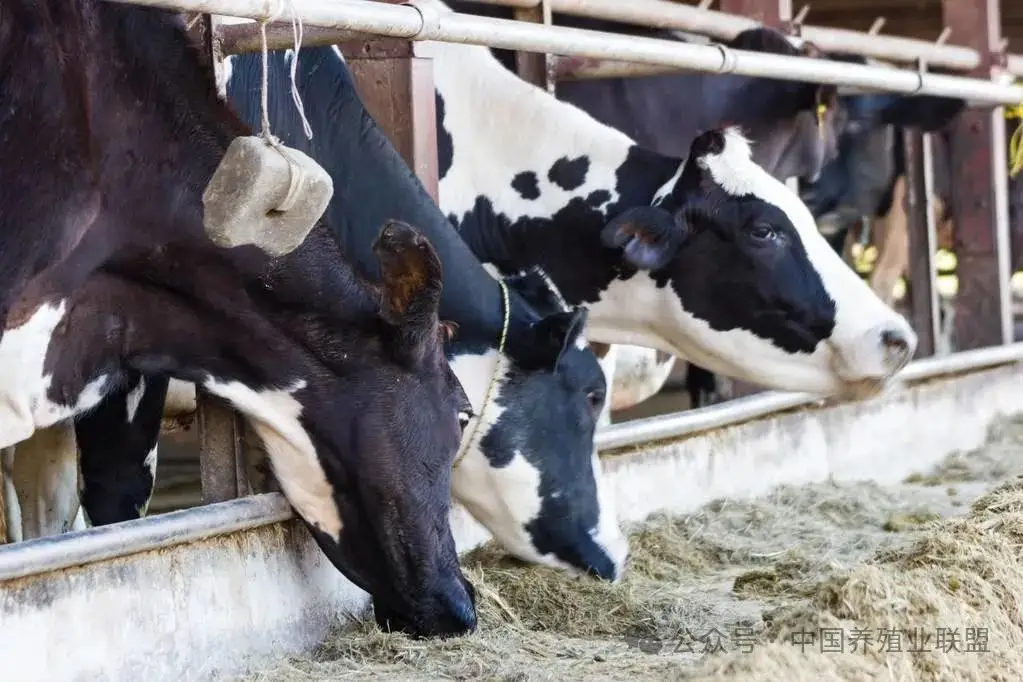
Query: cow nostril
{"points": [[895, 340]]}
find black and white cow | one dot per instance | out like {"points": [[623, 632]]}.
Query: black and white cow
{"points": [[791, 135], [529, 472], [792, 126], [711, 259], [111, 130]]}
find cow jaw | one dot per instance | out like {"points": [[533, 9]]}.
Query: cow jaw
{"points": [[274, 416]]}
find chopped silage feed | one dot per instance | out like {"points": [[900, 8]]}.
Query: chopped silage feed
{"points": [[849, 581]]}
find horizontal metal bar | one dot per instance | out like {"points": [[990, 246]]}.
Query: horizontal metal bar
{"points": [[412, 23], [641, 431], [58, 552], [663, 14], [33, 557]]}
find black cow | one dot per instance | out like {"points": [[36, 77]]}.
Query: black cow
{"points": [[111, 130]]}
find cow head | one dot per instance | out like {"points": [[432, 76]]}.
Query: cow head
{"points": [[399, 423], [530, 474], [345, 383], [740, 272]]}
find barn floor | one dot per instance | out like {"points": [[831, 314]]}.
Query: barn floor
{"points": [[700, 582]]}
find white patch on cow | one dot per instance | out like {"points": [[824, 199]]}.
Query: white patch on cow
{"points": [[503, 499], [608, 364], [475, 373], [486, 158], [24, 405], [150, 464], [134, 398], [639, 374], [608, 534], [274, 416], [492, 270], [665, 190]]}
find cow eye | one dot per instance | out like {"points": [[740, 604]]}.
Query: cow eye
{"points": [[595, 399], [762, 232], [463, 418]]}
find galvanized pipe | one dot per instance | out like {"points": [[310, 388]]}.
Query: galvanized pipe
{"points": [[414, 23], [55, 553], [642, 431], [663, 14]]}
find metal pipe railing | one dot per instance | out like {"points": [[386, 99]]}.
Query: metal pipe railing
{"points": [[641, 431], [422, 22], [43, 555], [663, 14]]}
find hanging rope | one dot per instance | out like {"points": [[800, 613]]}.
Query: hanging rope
{"points": [[1016, 141], [297, 32]]}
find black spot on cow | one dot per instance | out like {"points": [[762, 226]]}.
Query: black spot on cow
{"points": [[569, 174], [445, 145], [598, 198], [527, 185]]}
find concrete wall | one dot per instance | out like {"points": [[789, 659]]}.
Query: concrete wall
{"points": [[226, 601]]}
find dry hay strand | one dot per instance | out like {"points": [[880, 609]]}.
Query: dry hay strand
{"points": [[953, 595], [723, 567], [539, 623]]}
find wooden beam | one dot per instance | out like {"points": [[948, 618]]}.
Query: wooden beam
{"points": [[221, 459], [396, 85], [978, 181]]}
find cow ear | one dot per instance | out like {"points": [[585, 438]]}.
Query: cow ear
{"points": [[648, 236], [557, 333], [411, 280]]}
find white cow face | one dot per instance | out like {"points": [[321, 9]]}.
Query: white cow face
{"points": [[727, 268]]}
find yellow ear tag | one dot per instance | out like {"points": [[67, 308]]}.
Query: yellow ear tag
{"points": [[822, 110], [1016, 141]]}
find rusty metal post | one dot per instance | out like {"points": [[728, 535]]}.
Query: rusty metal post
{"points": [[221, 458], [922, 231], [396, 85], [979, 191]]}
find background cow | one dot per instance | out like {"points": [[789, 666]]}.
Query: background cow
{"points": [[793, 128], [712, 259]]}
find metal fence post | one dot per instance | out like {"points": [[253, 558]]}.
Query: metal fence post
{"points": [[221, 458], [983, 315]]}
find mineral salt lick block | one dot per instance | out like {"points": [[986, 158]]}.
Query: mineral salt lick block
{"points": [[242, 199]]}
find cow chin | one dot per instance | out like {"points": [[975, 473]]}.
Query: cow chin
{"points": [[444, 608]]}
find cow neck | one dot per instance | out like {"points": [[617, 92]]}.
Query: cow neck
{"points": [[469, 440], [540, 198]]}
